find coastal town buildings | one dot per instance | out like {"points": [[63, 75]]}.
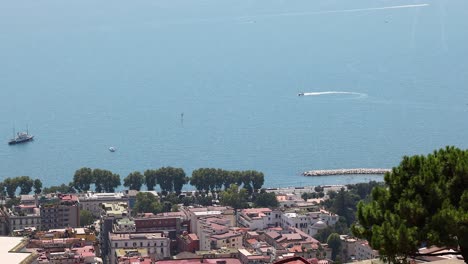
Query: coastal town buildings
{"points": [[92, 201], [23, 217], [58, 211], [110, 214], [259, 218], [188, 242], [157, 245], [250, 236]]}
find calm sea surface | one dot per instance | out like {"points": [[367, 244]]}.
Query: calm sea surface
{"points": [[87, 75]]}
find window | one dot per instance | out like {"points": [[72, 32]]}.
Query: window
{"points": [[116, 245], [126, 244], [141, 244]]}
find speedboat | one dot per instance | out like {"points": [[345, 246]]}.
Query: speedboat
{"points": [[112, 149], [300, 94]]}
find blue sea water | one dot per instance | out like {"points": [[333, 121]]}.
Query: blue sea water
{"points": [[87, 75]]}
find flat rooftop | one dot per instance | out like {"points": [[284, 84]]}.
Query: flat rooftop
{"points": [[7, 244]]}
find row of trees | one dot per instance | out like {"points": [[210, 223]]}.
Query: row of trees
{"points": [[168, 179], [9, 186]]}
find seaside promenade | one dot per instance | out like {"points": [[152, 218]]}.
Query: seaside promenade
{"points": [[346, 171]]}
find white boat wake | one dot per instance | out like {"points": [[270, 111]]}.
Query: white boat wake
{"points": [[360, 95], [342, 10]]}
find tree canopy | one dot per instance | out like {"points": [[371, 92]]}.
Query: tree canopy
{"points": [[147, 203], [83, 179], [424, 202], [234, 197], [86, 218], [266, 199], [334, 242], [134, 180]]}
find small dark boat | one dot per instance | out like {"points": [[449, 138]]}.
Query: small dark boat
{"points": [[300, 94]]}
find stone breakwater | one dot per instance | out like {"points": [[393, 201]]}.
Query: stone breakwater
{"points": [[345, 172]]}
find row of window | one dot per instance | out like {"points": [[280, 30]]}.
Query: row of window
{"points": [[116, 245], [26, 221]]}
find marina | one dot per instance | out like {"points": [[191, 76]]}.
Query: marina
{"points": [[346, 171]]}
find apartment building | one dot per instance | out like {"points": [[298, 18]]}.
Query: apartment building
{"points": [[23, 217], [259, 218], [157, 245], [59, 211], [92, 201]]}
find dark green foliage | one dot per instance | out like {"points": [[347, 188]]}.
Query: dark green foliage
{"points": [[363, 189], [170, 179], [63, 188], [134, 181], [179, 179], [265, 199], [11, 184], [334, 242], [167, 206], [257, 179], [344, 204], [150, 179], [147, 203], [25, 183], [12, 202], [318, 189], [37, 186], [86, 218], [210, 179], [425, 201], [105, 180], [234, 197], [312, 195], [172, 198], [2, 190], [83, 179], [204, 179]]}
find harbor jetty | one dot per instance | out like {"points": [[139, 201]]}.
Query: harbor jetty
{"points": [[345, 172]]}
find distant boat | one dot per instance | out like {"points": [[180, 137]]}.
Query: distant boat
{"points": [[20, 137], [300, 94], [112, 149]]}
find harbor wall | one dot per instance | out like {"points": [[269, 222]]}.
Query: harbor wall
{"points": [[346, 171]]}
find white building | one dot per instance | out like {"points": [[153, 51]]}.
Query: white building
{"points": [[92, 202], [327, 217], [156, 244], [209, 226], [259, 218], [24, 216], [194, 214], [300, 221], [313, 229]]}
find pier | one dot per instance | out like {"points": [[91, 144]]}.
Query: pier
{"points": [[345, 172]]}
